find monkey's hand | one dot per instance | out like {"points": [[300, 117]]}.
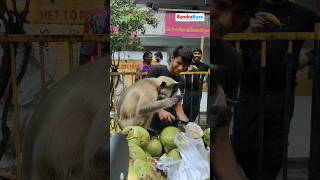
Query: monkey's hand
{"points": [[160, 104], [176, 98]]}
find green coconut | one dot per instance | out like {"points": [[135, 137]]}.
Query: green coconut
{"points": [[137, 135], [167, 137], [148, 154], [136, 152], [155, 148], [206, 136], [174, 154]]}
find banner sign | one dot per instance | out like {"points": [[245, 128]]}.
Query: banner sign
{"points": [[186, 29]]}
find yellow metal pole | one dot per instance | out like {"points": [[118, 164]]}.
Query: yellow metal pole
{"points": [[318, 7], [132, 79], [261, 109], [290, 47], [99, 49], [238, 46], [123, 77], [314, 156], [42, 69], [70, 56], [264, 54], [114, 94], [16, 111]]}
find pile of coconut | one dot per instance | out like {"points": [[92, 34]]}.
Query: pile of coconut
{"points": [[146, 152]]}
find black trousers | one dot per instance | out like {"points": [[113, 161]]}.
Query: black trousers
{"points": [[245, 132], [191, 104]]}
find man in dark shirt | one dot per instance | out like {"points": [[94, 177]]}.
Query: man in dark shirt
{"points": [[294, 18], [193, 91], [226, 16], [180, 61]]}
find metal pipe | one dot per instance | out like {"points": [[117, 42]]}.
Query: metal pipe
{"points": [[261, 110], [287, 111], [123, 79], [191, 109], [99, 49], [16, 112], [10, 38], [114, 94], [70, 56], [314, 159], [42, 69]]}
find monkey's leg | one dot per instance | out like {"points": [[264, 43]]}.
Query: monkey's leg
{"points": [[132, 121]]}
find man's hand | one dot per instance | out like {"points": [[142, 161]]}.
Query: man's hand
{"points": [[180, 113], [165, 116], [257, 22], [192, 68]]}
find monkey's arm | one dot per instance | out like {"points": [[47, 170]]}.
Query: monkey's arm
{"points": [[160, 104]]}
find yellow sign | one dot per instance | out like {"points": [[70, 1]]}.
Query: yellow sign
{"points": [[132, 65], [62, 11]]}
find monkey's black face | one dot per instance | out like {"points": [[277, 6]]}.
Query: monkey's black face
{"points": [[167, 91]]}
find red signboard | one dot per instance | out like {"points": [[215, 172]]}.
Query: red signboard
{"points": [[186, 29]]}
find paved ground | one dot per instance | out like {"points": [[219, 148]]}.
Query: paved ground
{"points": [[297, 170]]}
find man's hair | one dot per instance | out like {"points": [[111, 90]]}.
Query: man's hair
{"points": [[146, 54], [247, 5], [159, 54], [197, 50], [185, 53]]}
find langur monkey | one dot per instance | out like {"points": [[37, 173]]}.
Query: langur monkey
{"points": [[144, 98], [66, 137]]}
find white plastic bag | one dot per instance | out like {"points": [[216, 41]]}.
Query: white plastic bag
{"points": [[193, 130], [195, 162]]}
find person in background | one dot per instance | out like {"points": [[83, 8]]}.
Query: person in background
{"points": [[193, 92], [146, 64], [96, 22], [159, 58], [294, 18]]}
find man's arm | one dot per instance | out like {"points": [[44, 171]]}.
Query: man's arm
{"points": [[180, 113], [222, 157]]}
